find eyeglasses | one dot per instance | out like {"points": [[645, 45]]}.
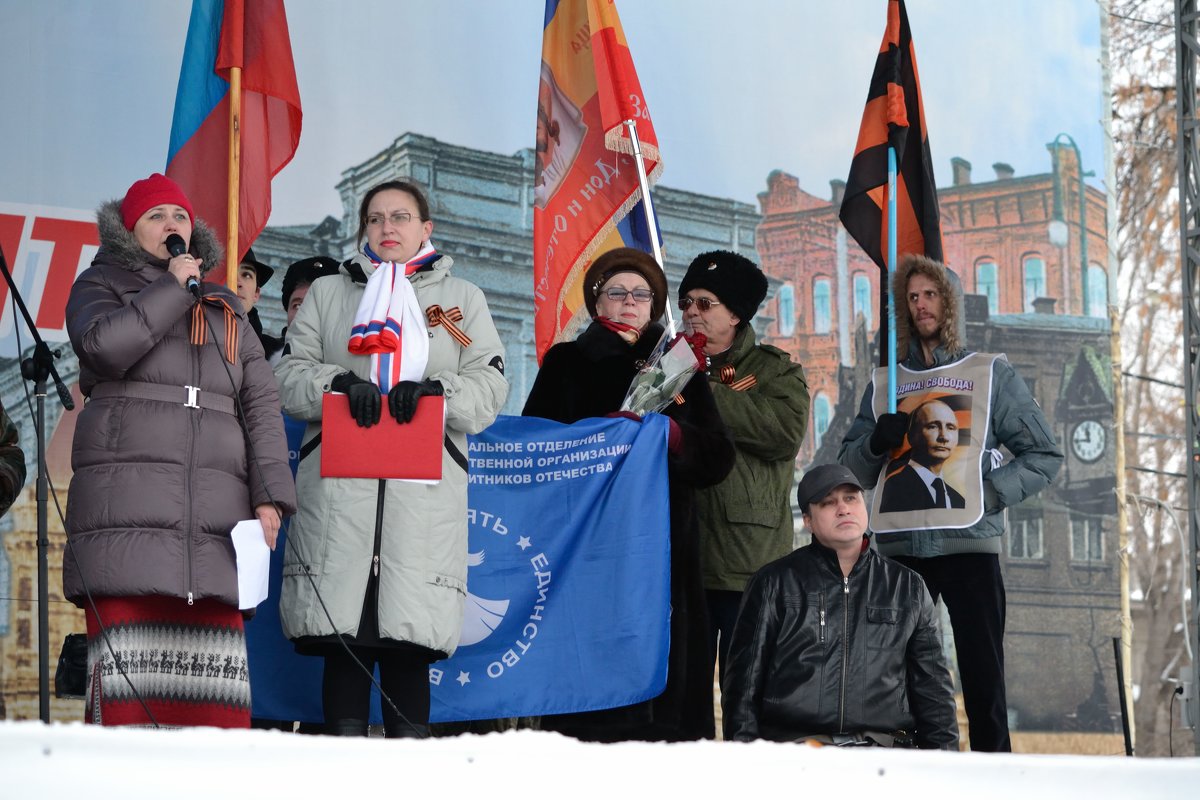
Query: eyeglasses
{"points": [[398, 218], [619, 295], [703, 303]]}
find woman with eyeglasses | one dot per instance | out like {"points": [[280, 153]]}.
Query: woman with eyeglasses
{"points": [[625, 291], [381, 565], [746, 520]]}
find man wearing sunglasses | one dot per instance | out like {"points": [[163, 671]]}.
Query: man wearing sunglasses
{"points": [[746, 520]]}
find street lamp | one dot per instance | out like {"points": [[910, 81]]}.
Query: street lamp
{"points": [[1057, 230]]}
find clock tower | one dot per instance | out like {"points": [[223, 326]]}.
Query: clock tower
{"points": [[1085, 431]]}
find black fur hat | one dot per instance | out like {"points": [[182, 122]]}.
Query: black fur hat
{"points": [[304, 272], [734, 279]]}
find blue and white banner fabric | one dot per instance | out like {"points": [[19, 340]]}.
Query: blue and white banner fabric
{"points": [[568, 584]]}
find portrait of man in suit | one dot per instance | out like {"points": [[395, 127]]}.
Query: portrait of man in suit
{"points": [[932, 437]]}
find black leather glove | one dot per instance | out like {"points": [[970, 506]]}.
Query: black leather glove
{"points": [[890, 430], [402, 399], [366, 403]]}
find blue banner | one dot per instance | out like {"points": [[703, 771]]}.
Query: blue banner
{"points": [[568, 583]]}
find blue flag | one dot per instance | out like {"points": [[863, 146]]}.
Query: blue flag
{"points": [[568, 583]]}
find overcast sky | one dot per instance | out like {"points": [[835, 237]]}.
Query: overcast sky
{"points": [[736, 90]]}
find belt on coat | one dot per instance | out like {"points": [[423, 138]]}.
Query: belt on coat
{"points": [[186, 396]]}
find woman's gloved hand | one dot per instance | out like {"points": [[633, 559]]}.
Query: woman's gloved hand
{"points": [[366, 403], [402, 399]]}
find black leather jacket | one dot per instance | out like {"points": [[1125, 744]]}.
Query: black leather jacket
{"points": [[814, 652]]}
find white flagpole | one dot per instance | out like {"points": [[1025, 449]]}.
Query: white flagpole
{"points": [[648, 205]]}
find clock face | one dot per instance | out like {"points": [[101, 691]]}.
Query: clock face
{"points": [[1088, 440]]}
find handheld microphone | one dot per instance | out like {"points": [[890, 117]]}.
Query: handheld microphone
{"points": [[177, 247]]}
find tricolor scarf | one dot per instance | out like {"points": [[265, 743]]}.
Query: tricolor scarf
{"points": [[388, 308]]}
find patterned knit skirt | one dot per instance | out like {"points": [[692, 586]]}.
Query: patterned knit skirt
{"points": [[186, 663]]}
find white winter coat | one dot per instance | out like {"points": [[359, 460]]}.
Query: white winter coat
{"points": [[423, 545]]}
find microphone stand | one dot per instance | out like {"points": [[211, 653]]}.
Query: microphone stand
{"points": [[36, 368]]}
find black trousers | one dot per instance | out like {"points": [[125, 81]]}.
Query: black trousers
{"points": [[972, 588], [404, 676], [723, 607]]}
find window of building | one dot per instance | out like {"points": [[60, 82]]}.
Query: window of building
{"points": [[1087, 538], [1035, 281], [822, 312], [987, 285], [822, 412], [1097, 291], [1025, 538], [787, 309], [862, 297]]}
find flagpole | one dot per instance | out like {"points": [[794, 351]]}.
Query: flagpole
{"points": [[891, 262], [648, 206], [235, 172]]}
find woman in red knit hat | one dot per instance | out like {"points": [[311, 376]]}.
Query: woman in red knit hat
{"points": [[180, 439]]}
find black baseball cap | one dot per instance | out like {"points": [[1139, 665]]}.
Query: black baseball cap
{"points": [[820, 481]]}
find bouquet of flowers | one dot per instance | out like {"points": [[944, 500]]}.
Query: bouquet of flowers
{"points": [[666, 371]]}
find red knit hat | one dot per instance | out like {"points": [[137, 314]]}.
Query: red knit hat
{"points": [[150, 192]]}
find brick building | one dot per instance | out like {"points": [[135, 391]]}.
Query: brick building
{"points": [[1013, 239]]}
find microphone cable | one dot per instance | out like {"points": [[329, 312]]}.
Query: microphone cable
{"points": [[341, 638], [71, 545]]}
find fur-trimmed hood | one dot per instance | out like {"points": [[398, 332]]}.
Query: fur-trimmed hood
{"points": [[121, 246], [954, 325]]}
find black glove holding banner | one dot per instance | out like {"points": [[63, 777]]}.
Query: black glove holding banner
{"points": [[890, 430], [402, 399], [366, 403]]}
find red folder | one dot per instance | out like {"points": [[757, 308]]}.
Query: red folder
{"points": [[387, 449]]}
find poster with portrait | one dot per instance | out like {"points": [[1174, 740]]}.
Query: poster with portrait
{"points": [[560, 133], [934, 478]]}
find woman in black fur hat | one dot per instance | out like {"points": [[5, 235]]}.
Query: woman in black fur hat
{"points": [[625, 291]]}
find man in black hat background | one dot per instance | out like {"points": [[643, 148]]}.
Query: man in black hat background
{"points": [[836, 644], [746, 520], [252, 276], [296, 282]]}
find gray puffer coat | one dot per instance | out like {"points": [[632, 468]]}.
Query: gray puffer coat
{"points": [[418, 531], [158, 486]]}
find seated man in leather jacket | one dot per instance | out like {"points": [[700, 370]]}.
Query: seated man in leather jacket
{"points": [[835, 643]]}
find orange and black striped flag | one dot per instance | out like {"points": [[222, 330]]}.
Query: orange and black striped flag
{"points": [[893, 115]]}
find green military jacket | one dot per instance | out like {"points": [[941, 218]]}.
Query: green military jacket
{"points": [[746, 520]]}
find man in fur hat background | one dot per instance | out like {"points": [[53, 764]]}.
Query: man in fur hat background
{"points": [[960, 564], [746, 520]]}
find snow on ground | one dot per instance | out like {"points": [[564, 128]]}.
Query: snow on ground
{"points": [[78, 761]]}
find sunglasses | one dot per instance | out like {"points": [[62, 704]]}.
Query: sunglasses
{"points": [[702, 302]]}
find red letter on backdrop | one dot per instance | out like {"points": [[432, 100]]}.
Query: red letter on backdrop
{"points": [[69, 237], [10, 240]]}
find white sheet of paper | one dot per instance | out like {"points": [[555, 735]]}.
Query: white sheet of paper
{"points": [[253, 562]]}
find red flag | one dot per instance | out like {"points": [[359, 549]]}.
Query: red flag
{"points": [[585, 179], [893, 115], [223, 35]]}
